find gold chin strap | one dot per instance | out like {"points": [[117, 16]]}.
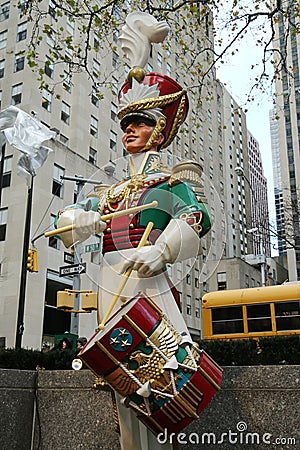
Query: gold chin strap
{"points": [[159, 127]]}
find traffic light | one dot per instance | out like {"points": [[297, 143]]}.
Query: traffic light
{"points": [[65, 300], [32, 260]]}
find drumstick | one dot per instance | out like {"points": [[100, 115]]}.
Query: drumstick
{"points": [[113, 215], [125, 277]]}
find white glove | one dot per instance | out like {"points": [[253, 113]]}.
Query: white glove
{"points": [[148, 260], [85, 224], [178, 242]]}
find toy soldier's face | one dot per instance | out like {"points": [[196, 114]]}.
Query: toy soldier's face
{"points": [[136, 135]]}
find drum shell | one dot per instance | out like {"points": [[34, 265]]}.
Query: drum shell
{"points": [[100, 356], [189, 402]]}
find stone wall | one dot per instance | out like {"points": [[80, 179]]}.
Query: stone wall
{"points": [[257, 408]]}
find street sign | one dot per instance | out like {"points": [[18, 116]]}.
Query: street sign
{"points": [[92, 247], [74, 269], [68, 258]]}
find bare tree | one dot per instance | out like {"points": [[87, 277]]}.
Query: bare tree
{"points": [[287, 229], [98, 24]]}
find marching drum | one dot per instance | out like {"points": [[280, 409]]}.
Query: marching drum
{"points": [[159, 373]]}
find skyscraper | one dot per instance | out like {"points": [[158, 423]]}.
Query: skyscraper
{"points": [[287, 41]]}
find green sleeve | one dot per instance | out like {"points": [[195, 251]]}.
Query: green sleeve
{"points": [[88, 204], [172, 203]]}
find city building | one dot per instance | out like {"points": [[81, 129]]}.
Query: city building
{"points": [[287, 114], [278, 195], [259, 199]]}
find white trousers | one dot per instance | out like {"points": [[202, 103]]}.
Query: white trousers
{"points": [[134, 435]]}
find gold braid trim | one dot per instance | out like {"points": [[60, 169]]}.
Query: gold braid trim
{"points": [[116, 414], [176, 123], [150, 103], [159, 127]]}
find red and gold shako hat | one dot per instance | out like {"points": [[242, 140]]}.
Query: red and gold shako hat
{"points": [[154, 96]]}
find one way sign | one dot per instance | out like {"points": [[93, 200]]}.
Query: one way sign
{"points": [[73, 269]]}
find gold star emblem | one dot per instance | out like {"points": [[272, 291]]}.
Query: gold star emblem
{"points": [[125, 343], [123, 332], [114, 341]]}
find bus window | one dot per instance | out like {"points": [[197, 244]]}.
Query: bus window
{"points": [[287, 316], [227, 320], [259, 318]]}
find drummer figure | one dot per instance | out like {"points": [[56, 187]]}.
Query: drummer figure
{"points": [[152, 107]]}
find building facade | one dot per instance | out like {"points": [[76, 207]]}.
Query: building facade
{"points": [[287, 41], [259, 199]]}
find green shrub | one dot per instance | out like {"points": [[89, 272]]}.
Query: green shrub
{"points": [[31, 359], [280, 350], [264, 351], [234, 352]]}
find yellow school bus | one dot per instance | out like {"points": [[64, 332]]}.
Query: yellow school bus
{"points": [[252, 313]]}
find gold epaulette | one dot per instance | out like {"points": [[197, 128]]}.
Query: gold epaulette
{"points": [[99, 190], [186, 171]]}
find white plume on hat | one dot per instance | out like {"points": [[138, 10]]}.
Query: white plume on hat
{"points": [[141, 91], [139, 32]]}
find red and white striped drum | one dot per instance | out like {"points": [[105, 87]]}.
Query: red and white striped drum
{"points": [[166, 380]]}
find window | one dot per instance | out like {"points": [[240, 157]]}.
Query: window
{"points": [[3, 39], [51, 9], [21, 31], [7, 171], [96, 43], [51, 37], [47, 100], [196, 278], [197, 307], [188, 305], [259, 317], [57, 184], [113, 111], [65, 113], [287, 315], [19, 62], [227, 320], [69, 53], [4, 11], [63, 139], [93, 156], [95, 98], [114, 60], [22, 5], [246, 280], [67, 83], [222, 282], [3, 223], [53, 241], [70, 25], [159, 59], [169, 157], [75, 194], [96, 68], [2, 63], [94, 127], [188, 274], [16, 94], [113, 141], [49, 68]]}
